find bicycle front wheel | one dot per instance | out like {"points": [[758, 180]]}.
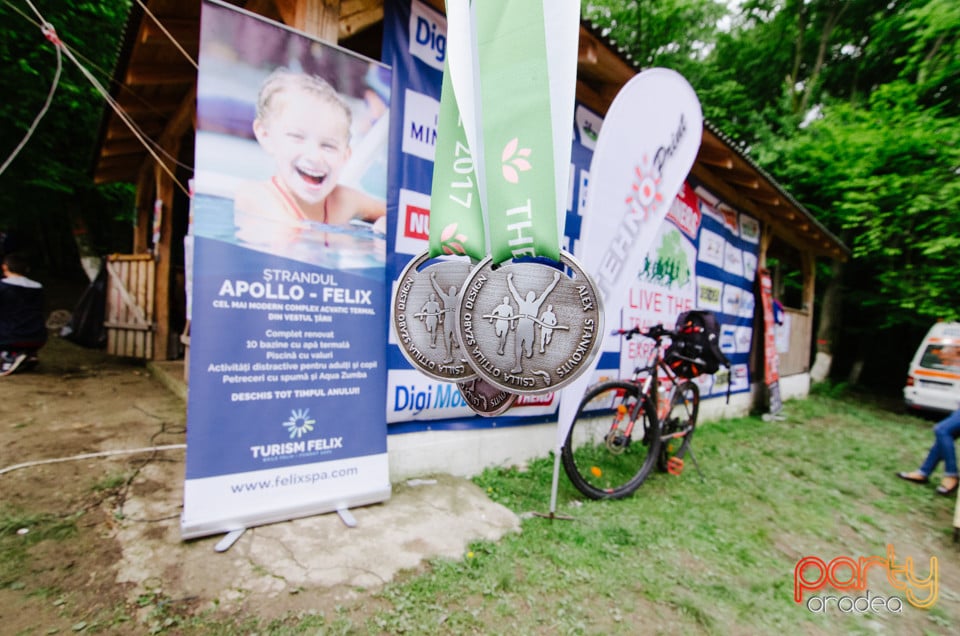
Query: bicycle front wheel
{"points": [[681, 421], [613, 442]]}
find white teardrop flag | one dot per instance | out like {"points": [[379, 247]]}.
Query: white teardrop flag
{"points": [[647, 144]]}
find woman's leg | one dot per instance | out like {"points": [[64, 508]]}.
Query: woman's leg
{"points": [[945, 432], [933, 458]]}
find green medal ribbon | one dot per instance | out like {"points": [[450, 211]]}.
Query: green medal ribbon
{"points": [[517, 131], [456, 217]]}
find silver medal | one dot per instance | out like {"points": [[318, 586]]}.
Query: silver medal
{"points": [[424, 317], [527, 327], [484, 398]]}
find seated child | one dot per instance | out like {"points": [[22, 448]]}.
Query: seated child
{"points": [[304, 126], [22, 327]]}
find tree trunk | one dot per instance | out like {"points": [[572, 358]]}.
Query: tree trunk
{"points": [[864, 343], [829, 323]]}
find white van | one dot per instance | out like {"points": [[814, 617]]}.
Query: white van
{"points": [[933, 381]]}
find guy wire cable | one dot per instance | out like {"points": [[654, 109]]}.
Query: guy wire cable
{"points": [[147, 143], [50, 35], [105, 73], [167, 33]]}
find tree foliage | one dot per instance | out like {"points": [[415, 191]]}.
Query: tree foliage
{"points": [[854, 105], [884, 177], [48, 186]]}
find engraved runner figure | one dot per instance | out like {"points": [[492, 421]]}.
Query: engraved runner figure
{"points": [[547, 319], [471, 388], [449, 302], [529, 309], [430, 314], [502, 314]]}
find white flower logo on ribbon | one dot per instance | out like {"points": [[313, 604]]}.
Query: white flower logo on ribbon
{"points": [[514, 160], [452, 242]]}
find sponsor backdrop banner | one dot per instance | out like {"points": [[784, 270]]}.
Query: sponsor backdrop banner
{"points": [[700, 259], [285, 415], [675, 275], [771, 359]]}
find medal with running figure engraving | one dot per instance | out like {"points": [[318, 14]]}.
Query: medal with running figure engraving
{"points": [[424, 317], [486, 399], [528, 327]]}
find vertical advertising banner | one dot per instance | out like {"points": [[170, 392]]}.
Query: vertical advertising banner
{"points": [[285, 415], [771, 359], [415, 46], [726, 268], [673, 276], [665, 286]]}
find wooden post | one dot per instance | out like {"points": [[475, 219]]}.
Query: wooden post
{"points": [[162, 251], [166, 345], [319, 18], [144, 205], [809, 280], [766, 237]]}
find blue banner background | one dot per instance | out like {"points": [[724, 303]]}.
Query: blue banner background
{"points": [[414, 45]]}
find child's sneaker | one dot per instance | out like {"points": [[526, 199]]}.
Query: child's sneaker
{"points": [[10, 362]]}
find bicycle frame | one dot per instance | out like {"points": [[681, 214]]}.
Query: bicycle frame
{"points": [[650, 382], [605, 454]]}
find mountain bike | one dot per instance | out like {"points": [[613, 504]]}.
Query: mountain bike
{"points": [[625, 427]]}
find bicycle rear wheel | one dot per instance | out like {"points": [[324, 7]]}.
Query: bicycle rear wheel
{"points": [[681, 421], [613, 442]]}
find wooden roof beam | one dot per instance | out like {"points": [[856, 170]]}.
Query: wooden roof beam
{"points": [[121, 147], [725, 192], [161, 74], [113, 175], [717, 157], [357, 15], [597, 61], [591, 98], [185, 31], [783, 229], [134, 105], [265, 8], [180, 121], [319, 18], [762, 198], [120, 131], [587, 51], [742, 179], [122, 160]]}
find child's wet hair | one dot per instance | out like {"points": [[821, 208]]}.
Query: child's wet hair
{"points": [[282, 80]]}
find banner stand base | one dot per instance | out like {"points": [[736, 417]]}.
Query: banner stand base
{"points": [[347, 517], [228, 540]]}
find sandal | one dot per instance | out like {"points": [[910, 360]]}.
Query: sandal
{"points": [[912, 477], [945, 491]]}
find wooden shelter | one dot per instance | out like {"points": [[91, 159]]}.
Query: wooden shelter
{"points": [[155, 84]]}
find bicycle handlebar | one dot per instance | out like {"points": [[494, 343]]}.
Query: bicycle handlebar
{"points": [[655, 332]]}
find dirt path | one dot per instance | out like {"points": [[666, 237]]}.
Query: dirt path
{"points": [[94, 543], [76, 402]]}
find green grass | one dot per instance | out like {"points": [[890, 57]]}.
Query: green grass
{"points": [[689, 556], [14, 547], [680, 556]]}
